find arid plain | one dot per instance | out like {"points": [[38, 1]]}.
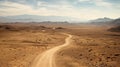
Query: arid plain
{"points": [[90, 45]]}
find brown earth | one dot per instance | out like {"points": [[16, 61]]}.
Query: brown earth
{"points": [[19, 45], [115, 29], [91, 46]]}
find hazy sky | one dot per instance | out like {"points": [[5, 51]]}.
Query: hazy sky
{"points": [[83, 9]]}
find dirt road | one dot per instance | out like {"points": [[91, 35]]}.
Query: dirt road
{"points": [[47, 59]]}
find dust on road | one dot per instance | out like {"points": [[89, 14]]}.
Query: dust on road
{"points": [[47, 58]]}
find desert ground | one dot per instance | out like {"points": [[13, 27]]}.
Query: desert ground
{"points": [[65, 45]]}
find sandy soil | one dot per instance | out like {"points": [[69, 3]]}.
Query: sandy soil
{"points": [[47, 58], [19, 48], [91, 46]]}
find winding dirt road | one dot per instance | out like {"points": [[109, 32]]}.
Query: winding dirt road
{"points": [[47, 58]]}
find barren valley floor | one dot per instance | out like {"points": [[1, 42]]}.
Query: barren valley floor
{"points": [[90, 46]]}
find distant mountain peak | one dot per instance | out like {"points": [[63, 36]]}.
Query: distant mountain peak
{"points": [[105, 19]]}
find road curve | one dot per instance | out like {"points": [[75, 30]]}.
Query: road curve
{"points": [[47, 59]]}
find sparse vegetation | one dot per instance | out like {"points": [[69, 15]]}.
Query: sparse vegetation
{"points": [[19, 48], [91, 46]]}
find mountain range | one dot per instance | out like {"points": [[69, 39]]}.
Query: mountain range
{"points": [[34, 18], [105, 20]]}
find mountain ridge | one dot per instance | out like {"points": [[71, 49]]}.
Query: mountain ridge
{"points": [[105, 19], [35, 18]]}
